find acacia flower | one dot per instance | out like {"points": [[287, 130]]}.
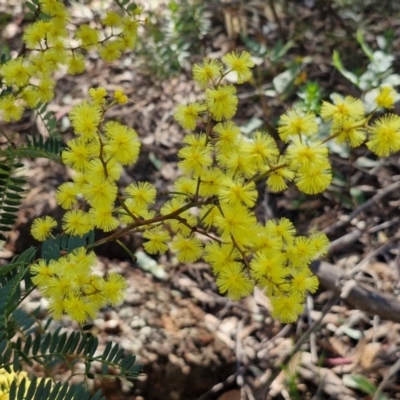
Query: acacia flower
{"points": [[239, 63], [123, 143], [303, 282], [187, 115], [227, 134], [114, 288], [16, 72], [102, 217], [187, 249], [219, 256], [76, 223], [295, 123], [42, 227], [85, 119], [11, 108], [208, 71], [76, 64], [157, 239], [262, 148], [195, 159], [222, 102], [144, 193], [99, 192], [313, 181], [98, 95], [342, 108], [287, 308], [384, 135], [386, 97], [66, 195], [236, 192], [234, 282], [87, 35]]}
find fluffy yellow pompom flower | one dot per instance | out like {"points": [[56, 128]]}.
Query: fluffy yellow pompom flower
{"points": [[195, 159], [320, 242], [283, 228], [384, 135], [287, 308], [350, 130], [87, 35], [219, 256], [76, 64], [35, 33], [237, 221], [234, 282], [41, 228], [157, 239], [66, 195], [314, 181], [112, 19], [42, 272], [187, 249], [222, 102], [78, 154], [207, 72], [85, 119], [99, 192], [45, 89], [211, 180], [187, 115], [263, 149], [295, 123], [386, 97], [123, 143], [348, 108], [77, 223], [144, 193], [16, 72], [11, 109], [102, 217], [98, 95], [303, 281], [240, 63], [227, 134], [79, 308], [110, 51], [237, 192], [114, 288]]}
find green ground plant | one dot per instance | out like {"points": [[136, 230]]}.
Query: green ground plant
{"points": [[209, 213]]}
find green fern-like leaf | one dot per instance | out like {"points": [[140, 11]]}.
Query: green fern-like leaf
{"points": [[52, 247], [35, 147], [11, 195], [39, 389]]}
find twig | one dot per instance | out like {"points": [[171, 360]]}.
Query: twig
{"points": [[264, 390], [359, 296], [372, 254], [220, 386], [369, 203], [392, 371]]}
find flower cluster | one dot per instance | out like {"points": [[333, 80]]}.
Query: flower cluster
{"points": [[72, 288], [220, 168], [214, 199], [96, 155], [49, 44]]}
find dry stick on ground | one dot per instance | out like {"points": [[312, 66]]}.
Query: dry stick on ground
{"points": [[392, 371], [265, 388], [369, 203], [359, 295]]}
